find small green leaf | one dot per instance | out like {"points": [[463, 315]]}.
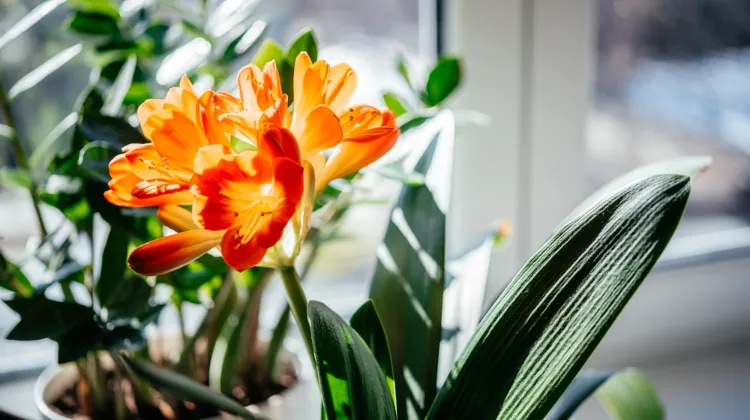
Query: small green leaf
{"points": [[44, 318], [33, 78], [240, 146], [104, 7], [630, 395], [13, 279], [554, 313], [15, 178], [93, 24], [352, 384], [306, 42], [366, 322], [395, 104], [269, 50], [29, 20], [443, 80], [185, 388], [403, 70], [116, 94]]}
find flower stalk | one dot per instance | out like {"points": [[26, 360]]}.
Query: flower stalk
{"points": [[298, 305]]}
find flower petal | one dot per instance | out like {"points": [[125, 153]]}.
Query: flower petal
{"points": [[276, 142], [176, 218], [169, 253], [321, 130], [240, 256], [343, 81]]}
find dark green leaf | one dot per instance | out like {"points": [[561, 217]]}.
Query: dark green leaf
{"points": [[156, 34], [44, 318], [104, 7], [407, 287], [78, 340], [551, 317], [395, 104], [305, 42], [243, 42], [352, 384], [114, 131], [35, 76], [26, 22], [443, 80], [579, 390], [630, 395], [185, 388], [366, 322], [110, 282], [412, 121], [94, 159], [240, 146], [93, 24]]}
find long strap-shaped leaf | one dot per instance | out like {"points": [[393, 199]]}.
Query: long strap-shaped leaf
{"points": [[351, 382], [366, 322], [539, 333]]}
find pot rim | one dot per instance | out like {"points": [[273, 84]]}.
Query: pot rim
{"points": [[291, 346]]}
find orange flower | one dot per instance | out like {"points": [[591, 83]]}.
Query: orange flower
{"points": [[321, 123], [160, 172], [242, 202]]}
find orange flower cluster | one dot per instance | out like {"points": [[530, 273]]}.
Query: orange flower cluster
{"points": [[244, 201]]}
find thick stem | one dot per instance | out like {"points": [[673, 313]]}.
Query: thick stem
{"points": [[20, 157], [181, 317], [298, 305]]}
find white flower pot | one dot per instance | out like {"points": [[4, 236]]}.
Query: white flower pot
{"points": [[295, 402]]}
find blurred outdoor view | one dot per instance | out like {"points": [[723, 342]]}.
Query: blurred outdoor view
{"points": [[672, 78]]}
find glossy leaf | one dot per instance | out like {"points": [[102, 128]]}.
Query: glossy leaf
{"points": [[185, 388], [29, 20], [407, 287], [93, 23], [351, 382], [104, 7], [35, 76], [114, 131], [443, 80], [551, 317], [395, 104], [630, 395], [306, 42], [366, 323]]}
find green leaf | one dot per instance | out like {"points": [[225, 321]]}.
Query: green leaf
{"points": [[352, 384], [15, 178], [94, 159], [403, 69], [276, 342], [29, 20], [366, 323], [409, 122], [116, 94], [240, 146], [579, 390], [443, 80], [407, 287], [42, 150], [185, 388], [113, 267], [33, 78], [395, 104], [115, 131], [242, 43], [306, 42], [691, 166], [13, 279], [551, 317], [630, 395], [223, 365], [44, 318], [269, 50], [94, 24], [104, 7]]}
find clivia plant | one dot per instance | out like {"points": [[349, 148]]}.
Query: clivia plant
{"points": [[250, 180]]}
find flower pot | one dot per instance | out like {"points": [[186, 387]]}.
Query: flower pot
{"points": [[56, 380]]}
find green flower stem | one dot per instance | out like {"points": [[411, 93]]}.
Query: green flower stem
{"points": [[21, 157], [298, 304]]}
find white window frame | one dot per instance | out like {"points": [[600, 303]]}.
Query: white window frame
{"points": [[528, 66]]}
